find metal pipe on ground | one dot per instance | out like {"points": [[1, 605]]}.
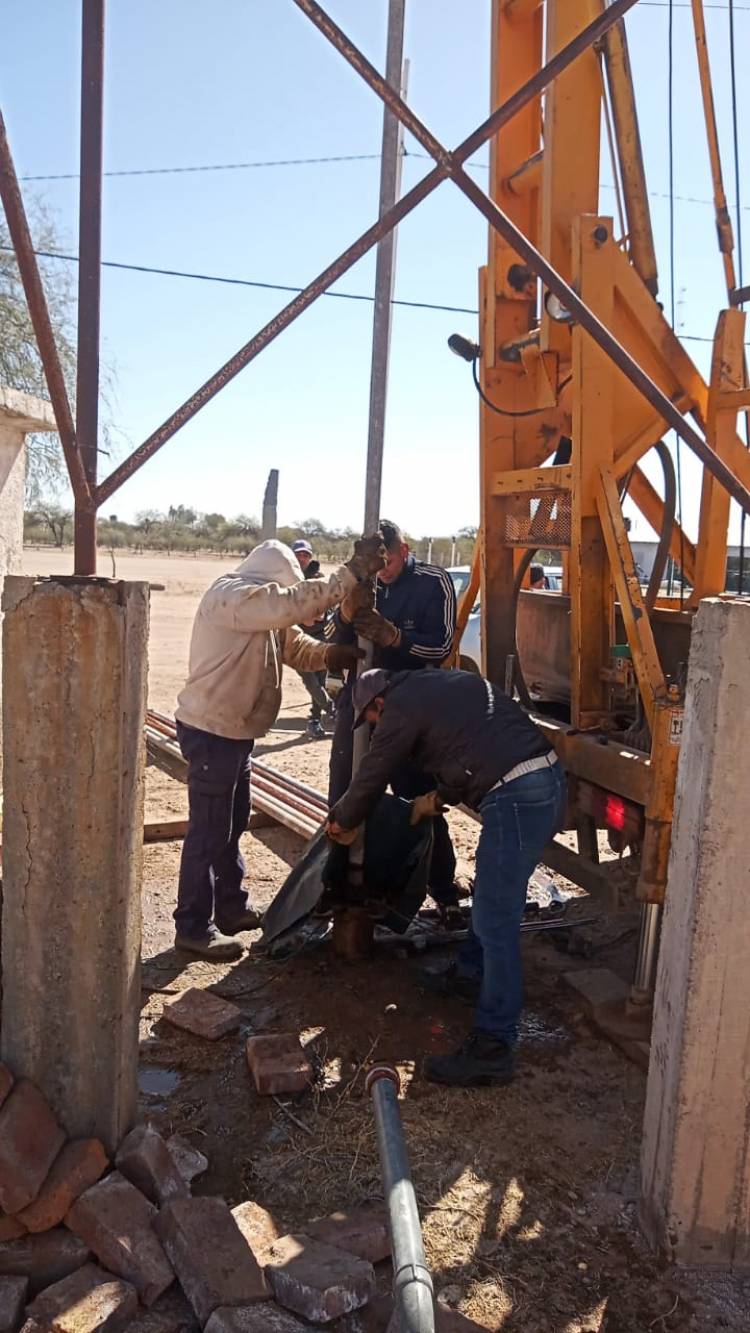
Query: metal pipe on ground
{"points": [[412, 1283]]}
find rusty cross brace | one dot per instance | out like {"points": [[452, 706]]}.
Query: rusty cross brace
{"points": [[447, 164], [453, 164]]}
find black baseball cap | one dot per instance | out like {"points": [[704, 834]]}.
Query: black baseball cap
{"points": [[370, 685]]}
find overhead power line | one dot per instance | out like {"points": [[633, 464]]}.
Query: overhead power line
{"points": [[214, 166], [276, 286]]}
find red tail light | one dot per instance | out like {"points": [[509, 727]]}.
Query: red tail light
{"points": [[615, 813]]}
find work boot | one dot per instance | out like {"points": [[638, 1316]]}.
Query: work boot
{"points": [[481, 1060], [315, 730], [450, 983], [214, 946], [235, 925]]}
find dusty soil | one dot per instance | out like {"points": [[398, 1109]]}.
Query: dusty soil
{"points": [[528, 1194]]}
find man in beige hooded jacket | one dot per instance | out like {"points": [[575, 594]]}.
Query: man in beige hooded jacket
{"points": [[245, 630]]}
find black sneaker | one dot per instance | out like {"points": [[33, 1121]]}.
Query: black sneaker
{"points": [[480, 1061], [450, 983], [315, 730]]}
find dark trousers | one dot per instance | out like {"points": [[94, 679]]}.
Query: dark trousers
{"points": [[315, 684], [212, 867], [407, 782]]}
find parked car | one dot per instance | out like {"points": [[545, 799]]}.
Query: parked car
{"points": [[470, 658]]}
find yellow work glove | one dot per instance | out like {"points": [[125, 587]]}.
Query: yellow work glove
{"points": [[426, 807]]}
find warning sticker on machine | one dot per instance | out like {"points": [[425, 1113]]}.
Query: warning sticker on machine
{"points": [[675, 726]]}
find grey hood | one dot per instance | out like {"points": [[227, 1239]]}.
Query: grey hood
{"points": [[271, 562]]}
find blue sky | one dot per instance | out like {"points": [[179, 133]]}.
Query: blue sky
{"points": [[251, 80]]}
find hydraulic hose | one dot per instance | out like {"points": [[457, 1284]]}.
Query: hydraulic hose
{"points": [[665, 536], [412, 1284]]}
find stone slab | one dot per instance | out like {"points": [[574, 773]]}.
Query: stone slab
{"points": [[78, 1166], [115, 1220], [266, 1318], [316, 1280], [203, 1014], [10, 1228], [211, 1257], [89, 1301], [43, 1259], [258, 1228], [190, 1161], [360, 1231], [12, 1300], [597, 987], [145, 1160], [278, 1063], [30, 1139]]}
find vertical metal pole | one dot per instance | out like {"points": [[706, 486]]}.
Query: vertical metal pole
{"points": [[89, 270]]}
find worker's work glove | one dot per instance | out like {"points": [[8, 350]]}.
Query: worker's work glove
{"points": [[426, 807], [335, 833], [343, 656], [371, 625], [369, 556], [361, 598]]}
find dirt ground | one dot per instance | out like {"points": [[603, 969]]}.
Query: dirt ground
{"points": [[528, 1194]]}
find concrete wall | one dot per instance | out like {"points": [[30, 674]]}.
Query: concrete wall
{"points": [[695, 1161]]}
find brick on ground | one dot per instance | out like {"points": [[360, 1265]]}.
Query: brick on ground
{"points": [[30, 1139], [258, 1228], [210, 1256], [43, 1259], [10, 1228], [597, 987], [266, 1318], [145, 1160], [12, 1300], [203, 1014], [316, 1280], [190, 1162], [80, 1164], [89, 1301], [360, 1231], [6, 1082], [115, 1220], [278, 1063]]}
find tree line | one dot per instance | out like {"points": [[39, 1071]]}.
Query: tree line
{"points": [[181, 530]]}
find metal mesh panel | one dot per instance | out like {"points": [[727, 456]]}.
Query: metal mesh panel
{"points": [[538, 518]]}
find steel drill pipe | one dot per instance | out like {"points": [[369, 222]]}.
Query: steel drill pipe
{"points": [[412, 1284], [533, 87]]}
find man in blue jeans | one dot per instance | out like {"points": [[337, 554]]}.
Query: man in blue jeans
{"points": [[486, 753]]}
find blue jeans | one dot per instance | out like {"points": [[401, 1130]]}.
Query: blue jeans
{"points": [[212, 866], [518, 820]]}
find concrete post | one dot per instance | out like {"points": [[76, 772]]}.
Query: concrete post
{"points": [[695, 1164], [20, 415], [73, 712]]}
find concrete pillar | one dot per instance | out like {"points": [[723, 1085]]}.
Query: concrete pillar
{"points": [[695, 1160], [20, 415], [73, 711]]}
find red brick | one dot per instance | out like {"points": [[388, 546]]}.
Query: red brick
{"points": [[78, 1166], [203, 1014], [361, 1231], [115, 1221], [267, 1318], [145, 1160], [12, 1300], [10, 1228], [278, 1063], [210, 1255], [89, 1301], [6, 1082], [190, 1162], [258, 1228], [43, 1259], [318, 1281], [30, 1139]]}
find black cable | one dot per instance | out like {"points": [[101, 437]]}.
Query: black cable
{"points": [[213, 166], [738, 207], [502, 411]]}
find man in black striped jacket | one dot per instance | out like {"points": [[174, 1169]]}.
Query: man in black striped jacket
{"points": [[411, 627]]}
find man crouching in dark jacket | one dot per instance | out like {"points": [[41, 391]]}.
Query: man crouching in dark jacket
{"points": [[486, 753]]}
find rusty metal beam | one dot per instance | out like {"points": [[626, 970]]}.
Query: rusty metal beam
{"points": [[89, 271], [23, 245], [532, 88]]}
